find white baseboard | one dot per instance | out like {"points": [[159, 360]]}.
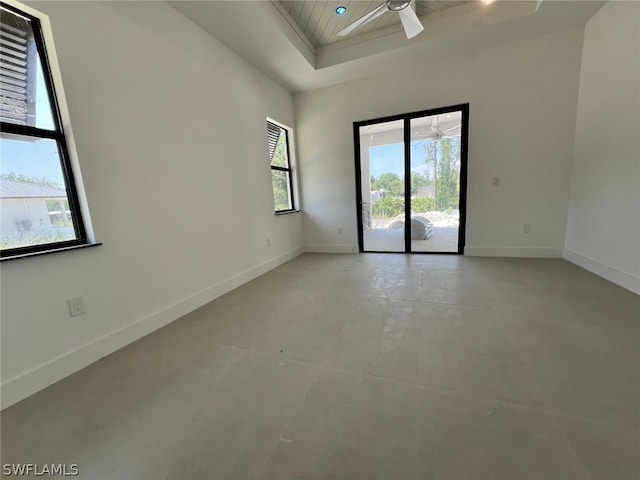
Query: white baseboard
{"points": [[524, 252], [327, 248], [470, 251], [28, 383], [624, 279]]}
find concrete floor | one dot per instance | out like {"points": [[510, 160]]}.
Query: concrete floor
{"points": [[363, 367], [444, 239]]}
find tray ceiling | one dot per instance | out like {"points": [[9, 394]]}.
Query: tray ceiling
{"points": [[266, 35], [319, 23]]}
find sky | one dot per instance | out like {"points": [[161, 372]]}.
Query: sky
{"points": [[390, 158], [33, 159]]}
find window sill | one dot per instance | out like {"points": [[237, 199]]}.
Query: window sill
{"points": [[287, 212], [47, 252]]}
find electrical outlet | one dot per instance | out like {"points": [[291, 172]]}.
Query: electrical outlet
{"points": [[526, 228], [496, 181], [76, 306], [268, 242], [339, 230]]}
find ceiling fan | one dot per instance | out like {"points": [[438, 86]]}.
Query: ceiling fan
{"points": [[421, 134], [434, 132], [408, 17], [438, 133]]}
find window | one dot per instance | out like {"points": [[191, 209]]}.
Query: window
{"points": [[39, 206], [281, 174]]}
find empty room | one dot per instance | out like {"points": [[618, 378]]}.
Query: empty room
{"points": [[320, 239]]}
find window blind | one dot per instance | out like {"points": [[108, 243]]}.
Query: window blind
{"points": [[273, 135], [14, 105]]}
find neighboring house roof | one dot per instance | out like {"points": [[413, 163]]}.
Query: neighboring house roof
{"points": [[10, 189]]}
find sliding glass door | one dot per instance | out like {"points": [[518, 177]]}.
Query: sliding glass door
{"points": [[411, 181], [383, 200]]}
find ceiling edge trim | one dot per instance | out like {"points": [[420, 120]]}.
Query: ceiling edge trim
{"points": [[297, 31]]}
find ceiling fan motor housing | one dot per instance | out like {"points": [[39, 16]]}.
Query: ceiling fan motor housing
{"points": [[397, 5]]}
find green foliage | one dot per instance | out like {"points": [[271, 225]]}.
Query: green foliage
{"points": [[31, 238], [387, 207], [420, 205], [418, 180], [448, 175], [280, 181], [444, 156], [280, 158], [443, 159], [390, 207], [390, 182], [56, 220], [58, 209], [40, 181]]}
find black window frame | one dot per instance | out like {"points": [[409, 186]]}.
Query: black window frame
{"points": [[463, 108], [288, 169], [59, 136]]}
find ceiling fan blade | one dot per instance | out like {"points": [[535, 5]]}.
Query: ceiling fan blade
{"points": [[410, 22], [372, 15], [435, 124], [452, 129]]}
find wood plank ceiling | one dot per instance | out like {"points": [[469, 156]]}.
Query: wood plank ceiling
{"points": [[319, 22]]}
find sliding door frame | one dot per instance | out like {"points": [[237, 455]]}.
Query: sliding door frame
{"points": [[464, 150]]}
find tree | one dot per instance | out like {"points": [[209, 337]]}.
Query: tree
{"points": [[418, 180], [40, 181], [280, 190], [431, 157], [388, 207], [448, 182], [422, 204], [444, 156], [391, 182]]}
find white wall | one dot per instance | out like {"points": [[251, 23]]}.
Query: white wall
{"points": [[522, 97], [171, 137], [603, 228]]}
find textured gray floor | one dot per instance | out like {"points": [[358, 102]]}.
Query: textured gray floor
{"points": [[444, 239], [362, 367]]}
